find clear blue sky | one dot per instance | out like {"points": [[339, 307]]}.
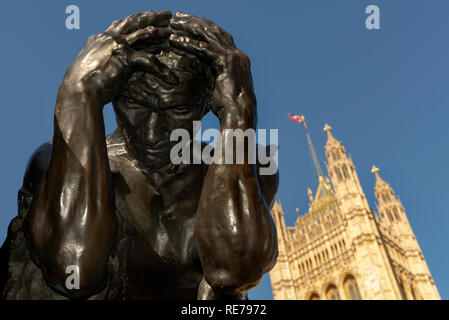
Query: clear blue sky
{"points": [[385, 92]]}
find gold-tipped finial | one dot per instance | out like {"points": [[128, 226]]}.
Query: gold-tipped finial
{"points": [[375, 170], [327, 184], [330, 138], [310, 194], [379, 180], [380, 183]]}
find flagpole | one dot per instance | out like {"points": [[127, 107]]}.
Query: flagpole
{"points": [[299, 119], [312, 151]]}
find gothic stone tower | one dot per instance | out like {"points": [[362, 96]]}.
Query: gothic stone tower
{"points": [[340, 249]]}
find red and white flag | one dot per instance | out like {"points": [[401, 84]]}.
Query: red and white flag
{"points": [[296, 118]]}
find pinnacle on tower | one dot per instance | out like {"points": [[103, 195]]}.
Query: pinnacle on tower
{"points": [[379, 181], [389, 207], [331, 141], [310, 194], [278, 216], [327, 128]]}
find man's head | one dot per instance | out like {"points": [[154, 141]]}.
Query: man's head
{"points": [[148, 109]]}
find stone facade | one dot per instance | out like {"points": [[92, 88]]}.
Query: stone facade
{"points": [[341, 249]]}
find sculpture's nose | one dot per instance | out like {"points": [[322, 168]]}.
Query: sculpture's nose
{"points": [[153, 135]]}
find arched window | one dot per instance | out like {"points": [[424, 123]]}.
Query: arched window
{"points": [[395, 211], [389, 215], [345, 172], [338, 174], [415, 292], [402, 289], [351, 288], [314, 296], [332, 293]]}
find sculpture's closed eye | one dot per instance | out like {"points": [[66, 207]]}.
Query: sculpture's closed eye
{"points": [[181, 110]]}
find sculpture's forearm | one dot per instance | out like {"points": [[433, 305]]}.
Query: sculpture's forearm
{"points": [[72, 218], [235, 233]]}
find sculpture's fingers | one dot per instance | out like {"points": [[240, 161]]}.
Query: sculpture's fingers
{"points": [[188, 27], [120, 26], [180, 16], [149, 63], [203, 50], [202, 28], [147, 33], [138, 21]]}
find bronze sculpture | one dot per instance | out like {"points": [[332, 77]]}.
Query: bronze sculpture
{"points": [[135, 225]]}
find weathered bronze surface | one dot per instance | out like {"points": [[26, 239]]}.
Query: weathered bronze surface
{"points": [[136, 225]]}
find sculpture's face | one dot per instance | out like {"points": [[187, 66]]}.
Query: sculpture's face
{"points": [[148, 110]]}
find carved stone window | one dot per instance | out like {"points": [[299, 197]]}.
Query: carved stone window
{"points": [[389, 215], [396, 215], [332, 293], [314, 296], [345, 171], [338, 174], [351, 288]]}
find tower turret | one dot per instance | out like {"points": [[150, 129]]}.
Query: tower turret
{"points": [[419, 282], [278, 216], [342, 172], [281, 275], [389, 206]]}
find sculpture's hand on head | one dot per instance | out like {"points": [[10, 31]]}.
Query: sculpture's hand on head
{"points": [[233, 99], [108, 60]]}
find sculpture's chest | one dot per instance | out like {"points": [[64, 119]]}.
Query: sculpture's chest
{"points": [[155, 245], [155, 265]]}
